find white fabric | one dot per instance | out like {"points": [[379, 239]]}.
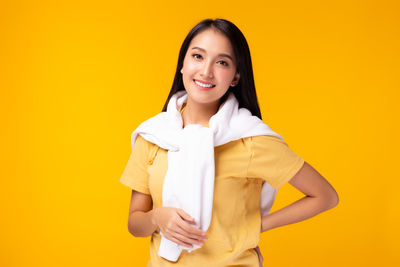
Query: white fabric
{"points": [[189, 181]]}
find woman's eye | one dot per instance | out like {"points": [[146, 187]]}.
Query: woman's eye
{"points": [[197, 56]]}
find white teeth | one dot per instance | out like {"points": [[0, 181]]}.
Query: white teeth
{"points": [[204, 85]]}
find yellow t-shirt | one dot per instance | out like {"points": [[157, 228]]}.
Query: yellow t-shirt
{"points": [[241, 166]]}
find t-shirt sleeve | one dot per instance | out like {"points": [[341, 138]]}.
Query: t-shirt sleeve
{"points": [[135, 174], [273, 160]]}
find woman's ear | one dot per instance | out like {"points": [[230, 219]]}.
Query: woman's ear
{"points": [[236, 79]]}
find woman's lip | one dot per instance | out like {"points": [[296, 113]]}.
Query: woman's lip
{"points": [[203, 88], [202, 81]]}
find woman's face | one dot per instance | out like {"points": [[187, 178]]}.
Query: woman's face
{"points": [[209, 67]]}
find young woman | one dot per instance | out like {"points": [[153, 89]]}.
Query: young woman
{"points": [[214, 72]]}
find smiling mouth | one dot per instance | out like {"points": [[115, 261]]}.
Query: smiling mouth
{"points": [[204, 85]]}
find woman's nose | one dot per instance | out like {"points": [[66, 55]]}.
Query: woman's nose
{"points": [[207, 70]]}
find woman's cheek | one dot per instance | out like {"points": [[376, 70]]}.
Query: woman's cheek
{"points": [[189, 68], [227, 77]]}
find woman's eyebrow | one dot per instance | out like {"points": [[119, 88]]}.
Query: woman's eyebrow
{"points": [[220, 55]]}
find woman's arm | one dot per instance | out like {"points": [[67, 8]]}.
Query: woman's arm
{"points": [[173, 222], [320, 196], [140, 222]]}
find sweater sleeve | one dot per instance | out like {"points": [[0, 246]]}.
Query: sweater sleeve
{"points": [[273, 160], [135, 174]]}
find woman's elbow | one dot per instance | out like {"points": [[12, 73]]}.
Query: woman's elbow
{"points": [[333, 199], [135, 233], [131, 229]]}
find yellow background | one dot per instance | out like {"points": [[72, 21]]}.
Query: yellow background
{"points": [[77, 77]]}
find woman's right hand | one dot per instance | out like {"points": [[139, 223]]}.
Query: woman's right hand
{"points": [[175, 225]]}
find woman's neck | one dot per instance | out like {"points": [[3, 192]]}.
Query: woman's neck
{"points": [[198, 113]]}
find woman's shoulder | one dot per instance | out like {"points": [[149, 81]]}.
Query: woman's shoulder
{"points": [[255, 142], [264, 140], [141, 140], [144, 150], [148, 147]]}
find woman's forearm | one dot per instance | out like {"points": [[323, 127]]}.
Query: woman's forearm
{"points": [[141, 224], [299, 210]]}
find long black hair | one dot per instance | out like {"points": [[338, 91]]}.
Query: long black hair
{"points": [[244, 91]]}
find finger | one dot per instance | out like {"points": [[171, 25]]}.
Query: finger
{"points": [[190, 238], [185, 215], [189, 228], [192, 222], [183, 238], [191, 235], [172, 238], [191, 231]]}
